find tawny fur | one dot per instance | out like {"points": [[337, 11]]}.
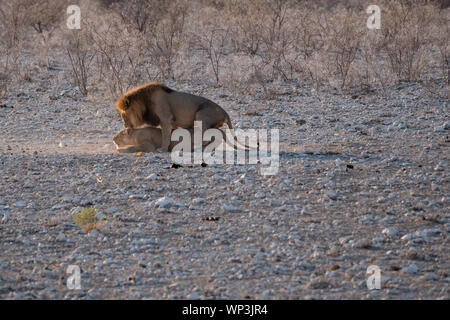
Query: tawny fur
{"points": [[142, 140], [156, 105]]}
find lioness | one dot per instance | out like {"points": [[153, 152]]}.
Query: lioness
{"points": [[156, 105], [146, 139]]}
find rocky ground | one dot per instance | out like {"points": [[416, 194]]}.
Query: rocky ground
{"points": [[363, 180]]}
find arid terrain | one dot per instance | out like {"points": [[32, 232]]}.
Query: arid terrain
{"points": [[362, 181], [363, 173]]}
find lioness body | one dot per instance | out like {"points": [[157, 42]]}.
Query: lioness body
{"points": [[138, 140], [146, 139], [156, 105]]}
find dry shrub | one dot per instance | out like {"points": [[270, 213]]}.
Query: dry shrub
{"points": [[371, 68], [80, 55], [139, 15], [145, 49], [166, 39], [121, 56], [406, 36], [345, 30], [247, 45], [265, 30], [236, 74], [45, 16], [316, 72], [212, 37], [441, 37], [13, 22], [4, 72], [248, 20]]}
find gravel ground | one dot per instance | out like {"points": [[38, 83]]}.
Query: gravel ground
{"points": [[363, 180]]}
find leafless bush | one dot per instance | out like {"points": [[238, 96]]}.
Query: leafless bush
{"points": [[442, 40], [405, 32], [166, 39], [213, 41], [13, 21], [315, 68], [265, 32], [80, 56], [247, 45], [44, 16], [120, 57], [13, 17], [276, 36], [345, 29], [248, 19], [371, 67], [4, 72], [140, 15]]}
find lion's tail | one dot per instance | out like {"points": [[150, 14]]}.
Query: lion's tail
{"points": [[230, 126]]}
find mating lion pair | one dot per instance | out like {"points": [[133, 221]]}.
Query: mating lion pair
{"points": [[150, 113]]}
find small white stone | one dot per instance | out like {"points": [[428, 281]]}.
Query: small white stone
{"points": [[446, 125], [198, 201], [163, 202], [5, 218], [135, 196], [20, 204], [193, 296], [100, 216], [330, 194], [61, 237], [94, 233], [408, 237], [381, 200], [316, 254], [391, 232], [230, 208], [431, 276], [153, 177], [410, 269], [428, 233], [379, 239], [434, 187]]}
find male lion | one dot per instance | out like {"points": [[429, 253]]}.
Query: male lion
{"points": [[156, 105]]}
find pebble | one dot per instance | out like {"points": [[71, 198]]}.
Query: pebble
{"points": [[431, 276], [413, 269], [164, 202], [429, 233], [94, 233], [390, 232], [193, 296], [231, 208], [198, 200], [311, 230], [61, 237], [330, 194], [136, 196], [20, 204]]}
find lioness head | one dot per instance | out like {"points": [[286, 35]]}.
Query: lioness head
{"points": [[124, 138]]}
